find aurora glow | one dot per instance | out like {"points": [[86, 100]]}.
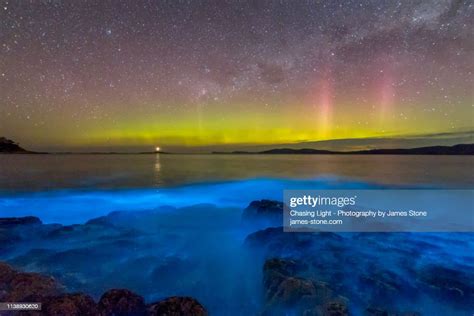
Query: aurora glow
{"points": [[127, 74]]}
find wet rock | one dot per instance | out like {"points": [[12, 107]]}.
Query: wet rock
{"points": [[7, 240], [449, 284], [15, 221], [275, 272], [101, 232], [264, 212], [11, 229], [7, 273], [31, 287], [25, 287], [106, 220], [121, 302], [177, 306], [374, 311], [290, 291], [335, 309], [287, 292], [61, 231], [383, 285], [72, 305], [16, 230], [284, 267]]}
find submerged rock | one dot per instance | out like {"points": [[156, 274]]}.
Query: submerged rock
{"points": [[121, 302], [449, 284], [15, 230], [383, 285], [177, 306], [11, 229], [274, 242]]}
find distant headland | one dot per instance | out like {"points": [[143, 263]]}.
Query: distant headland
{"points": [[8, 146], [460, 149]]}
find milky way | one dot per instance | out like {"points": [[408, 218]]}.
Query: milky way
{"points": [[190, 73]]}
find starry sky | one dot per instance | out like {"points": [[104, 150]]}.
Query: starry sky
{"points": [[185, 74]]}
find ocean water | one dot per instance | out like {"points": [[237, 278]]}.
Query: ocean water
{"points": [[28, 173], [181, 230], [71, 189]]}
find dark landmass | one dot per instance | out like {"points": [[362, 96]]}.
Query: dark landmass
{"points": [[108, 153], [9, 146], [460, 149], [302, 151]]}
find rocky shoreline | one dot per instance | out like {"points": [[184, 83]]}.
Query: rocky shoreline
{"points": [[324, 274], [16, 286]]}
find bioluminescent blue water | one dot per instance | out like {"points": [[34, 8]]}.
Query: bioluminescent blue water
{"points": [[78, 206]]}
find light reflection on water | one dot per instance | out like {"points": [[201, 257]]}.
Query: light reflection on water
{"points": [[44, 172], [157, 170]]}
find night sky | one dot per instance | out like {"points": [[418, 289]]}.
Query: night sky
{"points": [[103, 74]]}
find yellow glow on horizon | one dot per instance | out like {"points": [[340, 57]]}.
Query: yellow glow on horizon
{"points": [[251, 124]]}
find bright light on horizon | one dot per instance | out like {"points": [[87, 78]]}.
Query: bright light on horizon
{"points": [[157, 148]]}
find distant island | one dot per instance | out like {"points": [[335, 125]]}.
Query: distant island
{"points": [[461, 149]]}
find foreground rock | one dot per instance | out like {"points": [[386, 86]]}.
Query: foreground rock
{"points": [[18, 286], [319, 270], [287, 292], [121, 302], [386, 272], [25, 287], [77, 304], [177, 306]]}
